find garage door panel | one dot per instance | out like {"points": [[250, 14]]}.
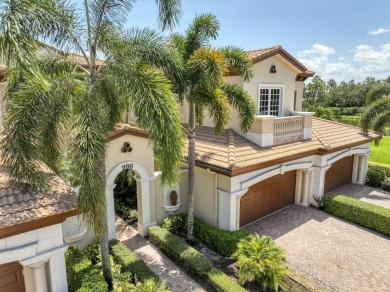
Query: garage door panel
{"points": [[11, 277], [267, 197], [339, 174]]}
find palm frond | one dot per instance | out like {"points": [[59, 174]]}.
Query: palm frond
{"points": [[88, 142], [217, 104], [372, 112], [242, 101], [20, 144], [239, 62], [207, 66], [157, 113], [379, 91], [381, 121], [204, 28], [169, 13]]}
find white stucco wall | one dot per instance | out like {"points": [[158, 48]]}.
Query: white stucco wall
{"points": [[285, 76], [40, 245]]}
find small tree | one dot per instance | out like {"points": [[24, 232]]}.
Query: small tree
{"points": [[258, 258], [201, 84]]}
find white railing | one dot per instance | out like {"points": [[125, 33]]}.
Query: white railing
{"points": [[288, 129]]}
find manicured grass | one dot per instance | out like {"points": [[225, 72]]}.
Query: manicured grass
{"points": [[381, 153]]}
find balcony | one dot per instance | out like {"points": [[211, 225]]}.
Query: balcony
{"points": [[271, 130]]}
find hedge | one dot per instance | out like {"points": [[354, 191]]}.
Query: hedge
{"points": [[131, 262], [360, 212], [223, 242], [82, 275], [380, 166], [192, 259], [375, 177]]}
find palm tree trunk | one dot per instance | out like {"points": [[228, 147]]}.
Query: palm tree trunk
{"points": [[104, 246], [191, 172]]}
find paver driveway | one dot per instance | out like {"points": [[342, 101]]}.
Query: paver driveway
{"points": [[340, 255]]}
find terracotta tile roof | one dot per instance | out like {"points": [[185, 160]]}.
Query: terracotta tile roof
{"points": [[261, 54], [18, 207], [230, 151]]}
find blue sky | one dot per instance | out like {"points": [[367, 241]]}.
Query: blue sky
{"points": [[339, 39]]}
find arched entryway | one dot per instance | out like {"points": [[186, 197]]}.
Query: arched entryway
{"points": [[125, 197], [143, 197]]}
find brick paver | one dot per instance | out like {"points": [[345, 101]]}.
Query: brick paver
{"points": [[364, 193], [174, 277], [341, 256]]}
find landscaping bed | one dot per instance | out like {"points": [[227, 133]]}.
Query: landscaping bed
{"points": [[84, 271], [212, 242]]}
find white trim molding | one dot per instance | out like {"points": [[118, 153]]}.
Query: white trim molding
{"points": [[229, 209]]}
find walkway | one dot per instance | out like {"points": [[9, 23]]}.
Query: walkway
{"points": [[364, 193], [340, 256], [174, 277]]}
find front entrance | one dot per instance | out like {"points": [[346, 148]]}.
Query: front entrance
{"points": [[125, 197], [267, 197], [11, 277]]}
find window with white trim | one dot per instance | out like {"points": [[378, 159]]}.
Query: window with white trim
{"points": [[270, 99]]}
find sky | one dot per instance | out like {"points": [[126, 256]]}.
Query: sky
{"points": [[338, 39]]}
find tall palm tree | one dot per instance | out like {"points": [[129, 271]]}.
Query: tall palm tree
{"points": [[50, 94], [377, 113], [202, 85]]}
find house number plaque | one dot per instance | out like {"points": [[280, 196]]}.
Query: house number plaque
{"points": [[127, 166]]}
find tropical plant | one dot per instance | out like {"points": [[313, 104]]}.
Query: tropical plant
{"points": [[56, 99], [259, 258], [201, 85], [377, 114]]}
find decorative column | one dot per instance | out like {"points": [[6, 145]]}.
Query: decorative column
{"points": [[229, 209], [361, 171], [145, 221], [39, 274], [318, 182], [305, 188], [110, 211]]}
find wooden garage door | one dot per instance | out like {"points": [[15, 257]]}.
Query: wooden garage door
{"points": [[11, 277], [339, 174], [267, 196]]}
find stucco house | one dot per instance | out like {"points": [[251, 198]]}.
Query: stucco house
{"points": [[35, 230], [287, 157]]}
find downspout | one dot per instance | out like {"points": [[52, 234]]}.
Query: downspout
{"points": [[295, 100], [215, 196]]}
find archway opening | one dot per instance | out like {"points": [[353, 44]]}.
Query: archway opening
{"points": [[125, 197]]}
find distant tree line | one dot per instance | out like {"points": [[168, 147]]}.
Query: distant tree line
{"points": [[343, 95]]}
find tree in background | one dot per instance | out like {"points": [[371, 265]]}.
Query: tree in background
{"points": [[51, 99], [201, 84]]}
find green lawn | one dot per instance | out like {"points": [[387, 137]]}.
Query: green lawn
{"points": [[381, 153]]}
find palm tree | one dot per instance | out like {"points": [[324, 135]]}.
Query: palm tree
{"points": [[377, 113], [201, 84], [260, 258], [50, 95]]}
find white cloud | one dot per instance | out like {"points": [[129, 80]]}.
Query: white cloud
{"points": [[365, 61], [317, 49], [379, 30]]}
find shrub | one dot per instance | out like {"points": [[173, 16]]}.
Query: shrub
{"points": [[131, 262], [82, 274], [360, 212], [375, 178], [258, 258], [379, 166], [191, 259], [223, 242], [386, 185]]}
